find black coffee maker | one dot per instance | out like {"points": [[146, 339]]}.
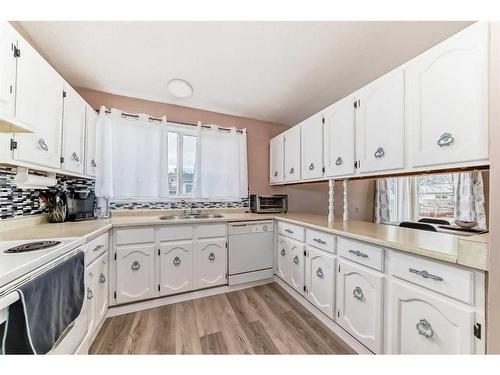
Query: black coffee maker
{"points": [[80, 205]]}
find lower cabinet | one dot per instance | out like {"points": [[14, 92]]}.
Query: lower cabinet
{"points": [[283, 259], [291, 262], [176, 267], [320, 279], [211, 259], [360, 303], [135, 273], [423, 322]]}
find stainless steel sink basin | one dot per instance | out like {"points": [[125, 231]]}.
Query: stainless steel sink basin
{"points": [[191, 216]]}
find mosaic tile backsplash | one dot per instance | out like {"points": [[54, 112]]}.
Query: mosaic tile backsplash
{"points": [[244, 203], [15, 202]]}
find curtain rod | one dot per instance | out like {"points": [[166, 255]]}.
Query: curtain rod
{"points": [[151, 119]]}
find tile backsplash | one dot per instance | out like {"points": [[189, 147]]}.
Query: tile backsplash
{"points": [[15, 202], [244, 203]]}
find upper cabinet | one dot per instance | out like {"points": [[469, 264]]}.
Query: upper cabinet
{"points": [[39, 103], [447, 100], [276, 158], [380, 124], [312, 147], [73, 131], [292, 154], [90, 140], [338, 138], [8, 42]]}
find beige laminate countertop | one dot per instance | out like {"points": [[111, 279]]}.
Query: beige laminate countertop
{"points": [[469, 251]]}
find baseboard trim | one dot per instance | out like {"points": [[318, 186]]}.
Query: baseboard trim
{"points": [[334, 327]]}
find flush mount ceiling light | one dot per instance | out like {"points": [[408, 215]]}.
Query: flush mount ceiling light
{"points": [[180, 88]]}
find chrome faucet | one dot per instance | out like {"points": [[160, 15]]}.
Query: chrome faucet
{"points": [[190, 205]]}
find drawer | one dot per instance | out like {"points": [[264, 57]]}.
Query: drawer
{"points": [[321, 240], [135, 235], [175, 232], [211, 230], [361, 252], [97, 246], [291, 230], [457, 283]]}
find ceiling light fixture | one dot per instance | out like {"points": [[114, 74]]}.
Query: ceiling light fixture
{"points": [[180, 88]]}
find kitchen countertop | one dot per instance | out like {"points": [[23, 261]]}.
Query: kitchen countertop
{"points": [[469, 251]]}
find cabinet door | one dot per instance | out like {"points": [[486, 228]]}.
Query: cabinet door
{"points": [[297, 265], [447, 95], [73, 131], [39, 104], [312, 147], [276, 158], [283, 259], [320, 281], [101, 287], [91, 282], [176, 267], [211, 262], [339, 142], [425, 323], [8, 39], [90, 140], [359, 304], [380, 124], [292, 154], [135, 273]]}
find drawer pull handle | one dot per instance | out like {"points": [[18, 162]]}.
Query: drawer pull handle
{"points": [[98, 247], [357, 293], [43, 145], [93, 163], [176, 261], [358, 253], [424, 328], [319, 240], [135, 266], [296, 259], [425, 274], [319, 273], [289, 231], [311, 166], [379, 153], [339, 161], [211, 257], [75, 157], [292, 170], [90, 295], [283, 252], [275, 173], [446, 139], [102, 278]]}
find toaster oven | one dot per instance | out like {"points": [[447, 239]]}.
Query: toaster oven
{"points": [[268, 203]]}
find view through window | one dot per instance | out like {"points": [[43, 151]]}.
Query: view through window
{"points": [[181, 164]]}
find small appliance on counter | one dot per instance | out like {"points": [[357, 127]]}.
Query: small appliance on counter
{"points": [[80, 205], [262, 204]]}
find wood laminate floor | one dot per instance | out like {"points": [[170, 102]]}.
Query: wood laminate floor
{"points": [[260, 320]]}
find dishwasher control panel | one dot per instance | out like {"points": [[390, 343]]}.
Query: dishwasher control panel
{"points": [[251, 227]]}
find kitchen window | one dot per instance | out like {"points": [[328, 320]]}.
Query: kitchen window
{"points": [[181, 164]]}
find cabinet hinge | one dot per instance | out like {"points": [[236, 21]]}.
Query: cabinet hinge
{"points": [[356, 104], [13, 144], [477, 330], [338, 313], [158, 287], [158, 251], [305, 289], [339, 267], [322, 120], [17, 52], [305, 253], [114, 294], [64, 94], [115, 256], [61, 160], [356, 164], [323, 169]]}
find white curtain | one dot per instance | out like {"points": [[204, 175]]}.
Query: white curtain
{"points": [[406, 199], [381, 213], [469, 199], [221, 163], [131, 157]]}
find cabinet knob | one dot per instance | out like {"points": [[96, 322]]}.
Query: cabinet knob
{"points": [[319, 273], [176, 261], [339, 161], [90, 295], [93, 164], [358, 293], [211, 257], [296, 259], [135, 266], [446, 139], [283, 252], [43, 145], [424, 328], [292, 170], [75, 157], [275, 174], [102, 278], [311, 166], [379, 153]]}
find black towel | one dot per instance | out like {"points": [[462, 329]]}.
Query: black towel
{"points": [[47, 305]]}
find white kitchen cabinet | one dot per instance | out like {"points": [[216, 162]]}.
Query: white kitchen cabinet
{"points": [[423, 322], [276, 159], [91, 117], [135, 273], [102, 301], [176, 267], [283, 259], [91, 280], [320, 280], [380, 124], [312, 147], [297, 265], [39, 105], [447, 100], [73, 131], [8, 40], [339, 143], [211, 261], [360, 304], [292, 154]]}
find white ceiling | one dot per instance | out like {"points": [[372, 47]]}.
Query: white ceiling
{"points": [[275, 71]]}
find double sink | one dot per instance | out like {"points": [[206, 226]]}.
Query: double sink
{"points": [[189, 216]]}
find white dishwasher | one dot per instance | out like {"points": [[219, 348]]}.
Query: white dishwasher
{"points": [[251, 251]]}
